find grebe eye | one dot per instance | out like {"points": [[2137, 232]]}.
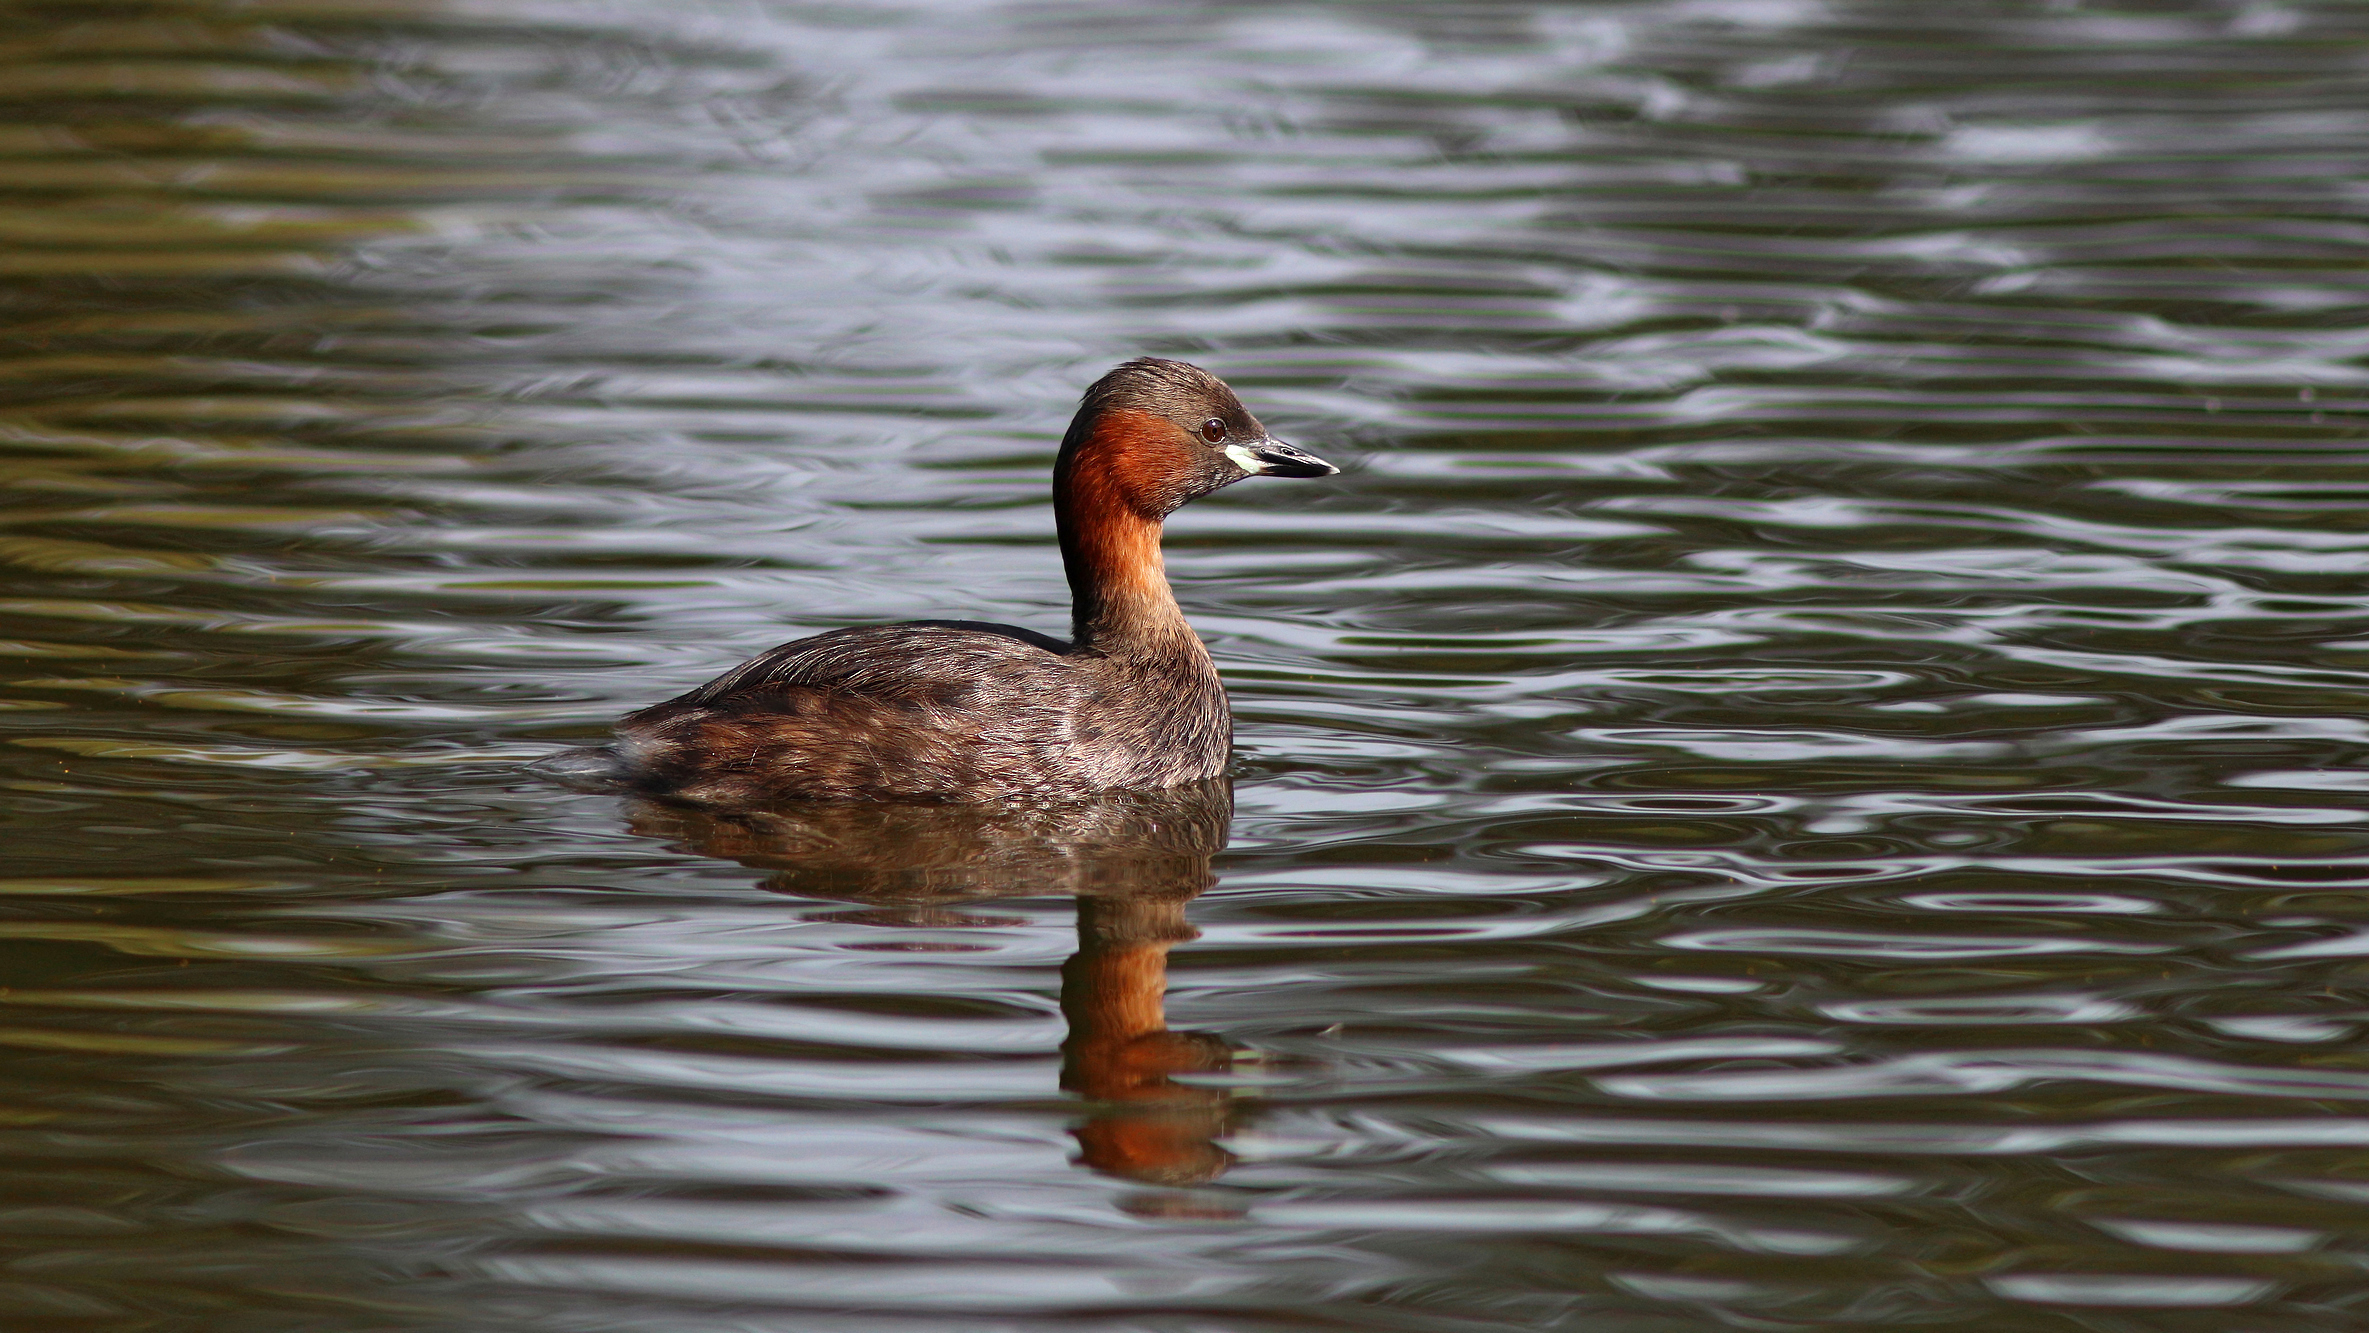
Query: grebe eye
{"points": [[1213, 430]]}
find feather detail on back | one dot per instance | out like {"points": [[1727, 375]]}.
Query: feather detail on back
{"points": [[909, 662], [942, 710]]}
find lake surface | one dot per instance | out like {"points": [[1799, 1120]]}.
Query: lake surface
{"points": [[1811, 773]]}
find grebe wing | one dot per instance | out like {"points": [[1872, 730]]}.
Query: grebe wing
{"points": [[918, 661], [926, 711]]}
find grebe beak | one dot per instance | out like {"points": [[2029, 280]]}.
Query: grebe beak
{"points": [[1274, 458]]}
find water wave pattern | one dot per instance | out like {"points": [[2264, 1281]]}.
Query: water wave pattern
{"points": [[1809, 774]]}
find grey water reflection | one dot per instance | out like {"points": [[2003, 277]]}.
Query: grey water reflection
{"points": [[1132, 860], [1810, 772]]}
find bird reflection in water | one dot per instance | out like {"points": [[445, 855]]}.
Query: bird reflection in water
{"points": [[1132, 860]]}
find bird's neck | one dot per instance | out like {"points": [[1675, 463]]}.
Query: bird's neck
{"points": [[1120, 602]]}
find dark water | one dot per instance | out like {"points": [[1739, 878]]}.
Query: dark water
{"points": [[1811, 775]]}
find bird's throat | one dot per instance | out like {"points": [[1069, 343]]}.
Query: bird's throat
{"points": [[1110, 539]]}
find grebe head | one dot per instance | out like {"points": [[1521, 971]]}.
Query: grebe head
{"points": [[1165, 432]]}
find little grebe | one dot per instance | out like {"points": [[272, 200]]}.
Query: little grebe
{"points": [[957, 710]]}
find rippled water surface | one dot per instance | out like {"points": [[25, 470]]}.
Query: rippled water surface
{"points": [[1810, 774]]}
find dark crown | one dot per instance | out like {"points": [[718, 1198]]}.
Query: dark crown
{"points": [[1181, 392]]}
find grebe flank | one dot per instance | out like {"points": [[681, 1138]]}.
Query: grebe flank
{"points": [[957, 710]]}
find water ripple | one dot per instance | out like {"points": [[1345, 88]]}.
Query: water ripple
{"points": [[1844, 599]]}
